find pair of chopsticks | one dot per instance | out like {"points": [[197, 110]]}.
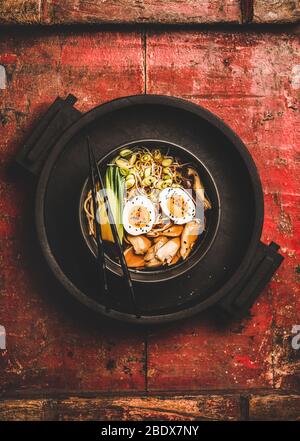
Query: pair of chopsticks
{"points": [[101, 267]]}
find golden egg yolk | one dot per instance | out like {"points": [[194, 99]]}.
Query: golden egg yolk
{"points": [[139, 217], [177, 206]]}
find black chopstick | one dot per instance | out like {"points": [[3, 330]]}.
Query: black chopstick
{"points": [[101, 268], [115, 233]]}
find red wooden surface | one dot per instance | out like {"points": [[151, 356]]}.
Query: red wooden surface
{"points": [[134, 11], [276, 11], [148, 11], [119, 11], [251, 80]]}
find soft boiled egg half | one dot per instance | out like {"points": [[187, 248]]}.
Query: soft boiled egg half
{"points": [[177, 205], [138, 215]]}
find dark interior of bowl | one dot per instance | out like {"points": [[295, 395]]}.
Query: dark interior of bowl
{"points": [[214, 150], [205, 240]]}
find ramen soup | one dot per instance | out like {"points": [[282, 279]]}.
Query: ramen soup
{"points": [[158, 203]]}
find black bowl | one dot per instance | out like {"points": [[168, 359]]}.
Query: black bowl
{"points": [[60, 144], [212, 216]]}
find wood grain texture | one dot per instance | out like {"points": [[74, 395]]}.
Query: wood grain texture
{"points": [[276, 11], [275, 408], [178, 408], [251, 81], [52, 12], [145, 11], [20, 11]]}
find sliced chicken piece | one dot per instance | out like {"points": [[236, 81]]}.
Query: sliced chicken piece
{"points": [[133, 260], [158, 238], [175, 258], [173, 231], [159, 242], [153, 263], [150, 254], [141, 244], [155, 232], [189, 236], [166, 253]]}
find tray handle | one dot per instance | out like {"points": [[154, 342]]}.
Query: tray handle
{"points": [[59, 116], [239, 301]]}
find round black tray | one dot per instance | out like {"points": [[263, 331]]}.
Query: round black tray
{"points": [[232, 271]]}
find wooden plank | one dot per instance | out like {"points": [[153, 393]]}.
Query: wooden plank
{"points": [[49, 344], [274, 408], [164, 408], [20, 11], [177, 408], [276, 11], [147, 11], [23, 410], [251, 81]]}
